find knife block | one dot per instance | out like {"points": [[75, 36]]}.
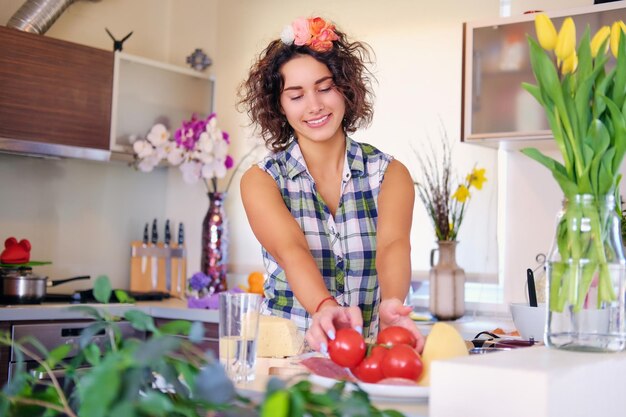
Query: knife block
{"points": [[149, 262]]}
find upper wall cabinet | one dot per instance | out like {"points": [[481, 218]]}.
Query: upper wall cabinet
{"points": [[496, 110], [147, 92], [55, 96]]}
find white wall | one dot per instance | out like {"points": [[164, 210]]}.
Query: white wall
{"points": [[418, 66]]}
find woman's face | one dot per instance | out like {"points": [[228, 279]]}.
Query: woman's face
{"points": [[312, 104]]}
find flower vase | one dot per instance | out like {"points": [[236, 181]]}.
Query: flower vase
{"points": [[586, 277], [215, 243], [447, 283]]}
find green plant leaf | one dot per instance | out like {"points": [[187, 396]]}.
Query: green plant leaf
{"points": [[392, 413], [123, 297], [124, 409], [87, 334], [213, 385], [155, 348], [88, 311], [99, 387], [535, 91], [155, 404], [141, 321], [57, 354], [102, 289], [92, 354], [276, 405], [196, 333], [177, 327]]}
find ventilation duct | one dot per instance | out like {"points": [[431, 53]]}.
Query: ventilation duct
{"points": [[36, 16]]}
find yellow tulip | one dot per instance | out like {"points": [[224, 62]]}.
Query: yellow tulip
{"points": [[598, 40], [616, 30], [566, 41], [570, 64], [461, 194], [546, 33]]}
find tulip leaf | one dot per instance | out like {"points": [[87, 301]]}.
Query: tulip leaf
{"points": [[584, 56], [558, 170], [619, 132], [606, 178], [619, 85], [535, 91], [600, 140]]}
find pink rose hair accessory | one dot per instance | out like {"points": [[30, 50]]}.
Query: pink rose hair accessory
{"points": [[313, 32]]}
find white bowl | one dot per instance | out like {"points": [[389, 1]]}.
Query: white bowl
{"points": [[529, 321]]}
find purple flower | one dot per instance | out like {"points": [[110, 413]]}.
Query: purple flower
{"points": [[199, 281], [229, 162], [226, 137]]}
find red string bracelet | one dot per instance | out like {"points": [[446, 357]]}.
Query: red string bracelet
{"points": [[330, 297]]}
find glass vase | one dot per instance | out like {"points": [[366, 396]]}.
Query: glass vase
{"points": [[586, 272], [447, 283], [214, 261]]}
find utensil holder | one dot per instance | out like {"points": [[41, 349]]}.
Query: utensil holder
{"points": [[143, 260]]}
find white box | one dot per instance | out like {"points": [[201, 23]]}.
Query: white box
{"points": [[537, 382]]}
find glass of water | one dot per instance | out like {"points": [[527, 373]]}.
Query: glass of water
{"points": [[239, 327]]}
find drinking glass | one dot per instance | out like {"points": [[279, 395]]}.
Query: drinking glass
{"points": [[239, 327]]}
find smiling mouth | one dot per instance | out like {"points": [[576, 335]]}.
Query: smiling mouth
{"points": [[318, 122]]}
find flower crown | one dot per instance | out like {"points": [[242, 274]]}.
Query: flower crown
{"points": [[313, 32]]}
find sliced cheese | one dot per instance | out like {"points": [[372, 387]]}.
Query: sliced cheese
{"points": [[443, 342], [278, 338]]}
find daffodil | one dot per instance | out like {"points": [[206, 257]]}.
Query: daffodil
{"points": [[598, 39], [566, 41], [570, 64], [461, 194], [546, 33], [476, 178], [616, 32]]}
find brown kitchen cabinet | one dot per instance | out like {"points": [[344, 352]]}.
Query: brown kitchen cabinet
{"points": [[55, 96]]}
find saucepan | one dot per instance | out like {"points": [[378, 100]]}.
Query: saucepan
{"points": [[21, 286]]}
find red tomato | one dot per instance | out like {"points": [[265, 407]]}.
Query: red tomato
{"points": [[347, 349], [370, 369], [402, 361], [396, 335]]}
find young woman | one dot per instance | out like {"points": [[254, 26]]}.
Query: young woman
{"points": [[333, 215]]}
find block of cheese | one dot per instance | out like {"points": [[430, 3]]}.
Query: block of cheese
{"points": [[278, 338], [443, 342]]}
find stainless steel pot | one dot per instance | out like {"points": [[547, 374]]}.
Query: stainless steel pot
{"points": [[21, 286]]}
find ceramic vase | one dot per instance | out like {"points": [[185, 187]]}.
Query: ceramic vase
{"points": [[586, 277], [447, 283], [215, 241]]}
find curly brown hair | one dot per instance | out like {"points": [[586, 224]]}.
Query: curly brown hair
{"points": [[259, 94]]}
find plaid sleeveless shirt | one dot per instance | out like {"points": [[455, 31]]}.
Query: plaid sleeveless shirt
{"points": [[343, 246]]}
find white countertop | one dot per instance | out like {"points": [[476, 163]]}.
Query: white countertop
{"points": [[168, 309]]}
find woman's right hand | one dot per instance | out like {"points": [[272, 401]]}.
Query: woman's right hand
{"points": [[328, 320]]}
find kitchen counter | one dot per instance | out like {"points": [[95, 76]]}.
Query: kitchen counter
{"points": [[174, 309]]}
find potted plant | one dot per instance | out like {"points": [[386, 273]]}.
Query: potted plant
{"points": [[165, 375]]}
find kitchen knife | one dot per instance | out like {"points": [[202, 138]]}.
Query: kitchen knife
{"points": [[144, 244], [181, 241], [154, 238], [168, 257], [532, 292]]}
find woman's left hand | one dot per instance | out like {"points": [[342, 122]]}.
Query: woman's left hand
{"points": [[393, 312]]}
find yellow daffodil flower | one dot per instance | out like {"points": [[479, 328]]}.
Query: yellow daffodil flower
{"points": [[476, 178], [616, 31], [546, 33], [598, 39], [566, 41], [461, 194], [570, 64]]}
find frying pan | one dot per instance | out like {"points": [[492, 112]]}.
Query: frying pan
{"points": [[21, 286]]}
